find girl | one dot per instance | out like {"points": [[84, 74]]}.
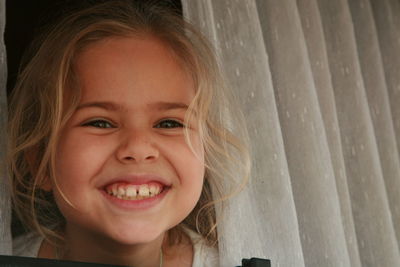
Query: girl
{"points": [[118, 139]]}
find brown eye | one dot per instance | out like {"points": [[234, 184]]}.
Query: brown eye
{"points": [[169, 124], [99, 124]]}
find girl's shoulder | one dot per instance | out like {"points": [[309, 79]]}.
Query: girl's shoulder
{"points": [[27, 245], [203, 255]]}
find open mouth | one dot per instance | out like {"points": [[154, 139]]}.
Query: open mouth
{"points": [[128, 191]]}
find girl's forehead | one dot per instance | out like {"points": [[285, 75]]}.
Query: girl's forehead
{"points": [[134, 45], [123, 68]]}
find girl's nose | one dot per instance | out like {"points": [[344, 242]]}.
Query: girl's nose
{"points": [[137, 147]]}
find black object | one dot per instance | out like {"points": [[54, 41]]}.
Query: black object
{"points": [[255, 262], [15, 261]]}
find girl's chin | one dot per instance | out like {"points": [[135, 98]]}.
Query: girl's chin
{"points": [[117, 231], [137, 237]]}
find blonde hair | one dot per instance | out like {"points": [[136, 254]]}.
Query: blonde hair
{"points": [[38, 111]]}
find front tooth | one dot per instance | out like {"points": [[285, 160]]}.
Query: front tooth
{"points": [[131, 191], [144, 191], [121, 191]]}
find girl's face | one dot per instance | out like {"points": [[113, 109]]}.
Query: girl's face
{"points": [[122, 161]]}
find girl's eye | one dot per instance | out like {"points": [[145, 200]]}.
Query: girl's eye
{"points": [[169, 124], [99, 124]]}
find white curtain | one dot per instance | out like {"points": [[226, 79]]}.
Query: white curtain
{"points": [[319, 83], [5, 213]]}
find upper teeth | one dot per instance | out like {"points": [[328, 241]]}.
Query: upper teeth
{"points": [[134, 192]]}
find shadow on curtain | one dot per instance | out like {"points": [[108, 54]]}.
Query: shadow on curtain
{"points": [[5, 213], [319, 84]]}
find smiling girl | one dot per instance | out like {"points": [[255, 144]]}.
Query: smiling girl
{"points": [[118, 139]]}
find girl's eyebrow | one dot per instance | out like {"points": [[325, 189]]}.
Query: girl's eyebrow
{"points": [[103, 105], [113, 106], [168, 105]]}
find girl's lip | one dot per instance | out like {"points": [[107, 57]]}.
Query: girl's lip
{"points": [[136, 204]]}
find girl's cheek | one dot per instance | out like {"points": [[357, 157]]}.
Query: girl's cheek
{"points": [[77, 152]]}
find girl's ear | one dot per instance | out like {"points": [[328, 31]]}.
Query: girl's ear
{"points": [[31, 158]]}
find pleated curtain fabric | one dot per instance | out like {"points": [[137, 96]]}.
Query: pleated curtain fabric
{"points": [[5, 210], [319, 83]]}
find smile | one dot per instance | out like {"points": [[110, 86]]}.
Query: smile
{"points": [[127, 191]]}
